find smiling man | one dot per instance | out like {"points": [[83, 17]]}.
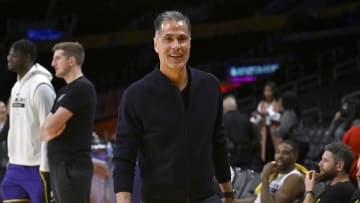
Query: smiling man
{"points": [[281, 181], [172, 121]]}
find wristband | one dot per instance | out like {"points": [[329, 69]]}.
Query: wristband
{"points": [[310, 192], [228, 194]]}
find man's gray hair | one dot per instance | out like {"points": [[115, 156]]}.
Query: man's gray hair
{"points": [[170, 15]]}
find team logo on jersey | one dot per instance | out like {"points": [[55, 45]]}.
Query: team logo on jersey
{"points": [[19, 102]]}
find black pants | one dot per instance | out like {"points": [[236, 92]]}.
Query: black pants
{"points": [[270, 151], [70, 183]]}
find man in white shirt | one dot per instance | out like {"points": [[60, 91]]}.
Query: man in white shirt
{"points": [[282, 181], [31, 99]]}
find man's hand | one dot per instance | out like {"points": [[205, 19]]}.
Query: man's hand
{"points": [[123, 197], [337, 115], [310, 180], [268, 169], [227, 188]]}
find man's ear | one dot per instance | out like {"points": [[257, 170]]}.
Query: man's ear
{"points": [[340, 166], [28, 58], [155, 45], [72, 60]]}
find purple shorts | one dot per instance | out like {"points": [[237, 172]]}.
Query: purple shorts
{"points": [[24, 183]]}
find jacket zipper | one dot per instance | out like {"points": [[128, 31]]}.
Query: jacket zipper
{"points": [[181, 101]]}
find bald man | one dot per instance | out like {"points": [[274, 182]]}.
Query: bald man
{"points": [[240, 133]]}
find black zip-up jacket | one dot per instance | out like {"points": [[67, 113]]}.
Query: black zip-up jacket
{"points": [[179, 151]]}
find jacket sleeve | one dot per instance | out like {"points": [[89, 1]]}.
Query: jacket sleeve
{"points": [[220, 154], [44, 97], [128, 130]]}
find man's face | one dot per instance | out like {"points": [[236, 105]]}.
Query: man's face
{"points": [[285, 157], [328, 167], [172, 44], [60, 63], [16, 61]]}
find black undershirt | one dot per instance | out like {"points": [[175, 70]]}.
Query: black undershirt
{"points": [[185, 93], [185, 96]]}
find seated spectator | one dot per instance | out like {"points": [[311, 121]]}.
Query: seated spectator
{"points": [[348, 116], [282, 181], [356, 195], [291, 124], [240, 134], [334, 166], [352, 139]]}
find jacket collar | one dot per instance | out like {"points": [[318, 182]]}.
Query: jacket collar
{"points": [[159, 76]]}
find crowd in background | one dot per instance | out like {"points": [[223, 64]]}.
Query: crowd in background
{"points": [[254, 139]]}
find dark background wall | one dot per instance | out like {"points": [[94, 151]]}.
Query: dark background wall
{"points": [[306, 38]]}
